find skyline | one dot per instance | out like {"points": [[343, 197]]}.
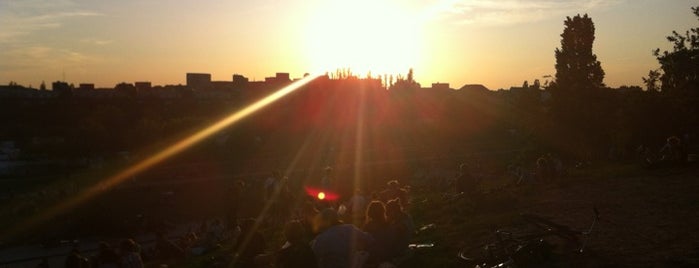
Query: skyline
{"points": [[457, 42]]}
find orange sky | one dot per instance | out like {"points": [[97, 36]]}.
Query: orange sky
{"points": [[498, 43]]}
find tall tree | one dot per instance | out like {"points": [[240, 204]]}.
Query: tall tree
{"points": [[680, 67], [576, 66]]}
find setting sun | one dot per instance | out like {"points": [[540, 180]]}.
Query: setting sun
{"points": [[364, 36]]}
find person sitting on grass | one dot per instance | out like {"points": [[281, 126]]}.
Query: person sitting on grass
{"points": [[402, 224], [296, 252], [106, 257], [394, 191], [250, 244], [384, 234], [338, 245], [130, 256]]}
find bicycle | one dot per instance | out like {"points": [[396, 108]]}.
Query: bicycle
{"points": [[525, 250]]}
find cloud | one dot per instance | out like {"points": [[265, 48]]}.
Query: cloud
{"points": [[19, 19], [97, 42], [508, 12]]}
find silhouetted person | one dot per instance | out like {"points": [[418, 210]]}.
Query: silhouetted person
{"points": [[394, 191], [402, 224], [384, 234], [338, 245], [296, 252], [356, 207], [106, 257], [130, 254], [308, 214], [465, 182], [328, 181], [234, 199], [75, 260], [673, 152], [166, 249], [250, 244]]}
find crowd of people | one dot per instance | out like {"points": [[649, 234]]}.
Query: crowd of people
{"points": [[362, 227], [355, 230]]}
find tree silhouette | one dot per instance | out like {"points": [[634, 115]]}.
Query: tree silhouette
{"points": [[652, 80], [576, 66], [42, 87], [680, 67]]}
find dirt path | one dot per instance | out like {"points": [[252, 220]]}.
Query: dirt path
{"points": [[650, 220]]}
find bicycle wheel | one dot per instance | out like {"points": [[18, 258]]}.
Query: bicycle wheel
{"points": [[554, 229], [488, 255]]}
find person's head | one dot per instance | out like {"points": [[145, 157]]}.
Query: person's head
{"points": [[376, 211], [358, 191], [393, 184], [325, 219], [293, 231], [393, 209]]}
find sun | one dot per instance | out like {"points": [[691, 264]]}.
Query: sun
{"points": [[365, 36]]}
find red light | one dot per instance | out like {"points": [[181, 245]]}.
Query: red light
{"points": [[321, 194]]}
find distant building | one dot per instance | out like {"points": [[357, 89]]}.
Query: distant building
{"points": [[86, 86], [440, 86], [240, 81], [62, 89], [279, 78], [143, 86], [198, 80]]}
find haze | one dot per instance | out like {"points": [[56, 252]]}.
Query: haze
{"points": [[495, 43]]}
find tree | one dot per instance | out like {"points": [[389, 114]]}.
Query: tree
{"points": [[680, 67], [576, 66], [42, 87], [525, 85], [652, 80], [405, 82]]}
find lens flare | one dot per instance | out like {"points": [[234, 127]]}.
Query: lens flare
{"points": [[159, 157], [321, 196]]}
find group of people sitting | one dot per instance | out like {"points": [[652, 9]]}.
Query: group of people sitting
{"points": [[357, 231], [382, 241], [330, 234], [127, 255]]}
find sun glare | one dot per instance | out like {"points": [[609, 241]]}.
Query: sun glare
{"points": [[365, 36]]}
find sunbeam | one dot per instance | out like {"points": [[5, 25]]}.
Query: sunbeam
{"points": [[159, 157]]}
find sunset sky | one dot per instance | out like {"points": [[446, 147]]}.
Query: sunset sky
{"points": [[498, 43]]}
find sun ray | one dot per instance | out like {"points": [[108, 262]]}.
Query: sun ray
{"points": [[159, 157]]}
